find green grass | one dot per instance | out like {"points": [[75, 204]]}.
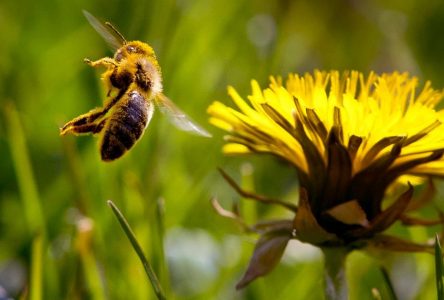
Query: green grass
{"points": [[439, 269], [158, 290], [55, 226]]}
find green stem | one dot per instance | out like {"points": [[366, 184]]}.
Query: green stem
{"points": [[130, 234], [335, 283], [160, 229], [36, 268], [388, 282]]}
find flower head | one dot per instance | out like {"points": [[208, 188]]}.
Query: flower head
{"points": [[351, 139]]}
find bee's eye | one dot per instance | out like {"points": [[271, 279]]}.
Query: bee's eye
{"points": [[131, 49]]}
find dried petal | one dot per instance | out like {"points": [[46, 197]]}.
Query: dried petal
{"points": [[424, 198], [386, 218], [254, 196], [410, 221], [422, 133], [307, 228], [316, 124], [230, 215], [353, 146], [277, 117], [266, 256], [274, 226], [349, 213], [368, 186], [315, 162], [339, 171], [379, 146], [391, 243]]}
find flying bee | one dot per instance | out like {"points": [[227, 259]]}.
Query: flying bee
{"points": [[134, 82]]}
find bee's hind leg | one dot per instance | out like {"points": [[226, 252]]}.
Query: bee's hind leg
{"points": [[93, 128], [85, 123]]}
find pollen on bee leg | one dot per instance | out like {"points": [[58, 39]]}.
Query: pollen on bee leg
{"points": [[85, 128], [106, 61], [62, 130], [65, 130]]}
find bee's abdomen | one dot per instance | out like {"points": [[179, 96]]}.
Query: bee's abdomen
{"points": [[125, 126]]}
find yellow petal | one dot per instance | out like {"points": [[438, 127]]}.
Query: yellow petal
{"points": [[235, 149]]}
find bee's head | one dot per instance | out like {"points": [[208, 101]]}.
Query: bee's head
{"points": [[134, 48]]}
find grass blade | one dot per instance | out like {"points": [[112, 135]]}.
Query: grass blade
{"points": [[439, 269], [160, 230], [36, 268], [388, 282], [129, 233], [22, 164]]}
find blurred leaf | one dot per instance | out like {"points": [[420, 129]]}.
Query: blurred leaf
{"points": [[23, 168]]}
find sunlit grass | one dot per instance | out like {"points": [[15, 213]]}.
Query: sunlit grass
{"points": [[147, 266]]}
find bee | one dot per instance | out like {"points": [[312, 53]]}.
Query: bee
{"points": [[134, 82]]}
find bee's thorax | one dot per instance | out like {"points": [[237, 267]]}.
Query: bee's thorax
{"points": [[147, 76], [136, 65]]}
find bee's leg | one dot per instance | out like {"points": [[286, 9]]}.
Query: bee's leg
{"points": [[93, 128], [85, 119], [106, 62], [92, 115]]}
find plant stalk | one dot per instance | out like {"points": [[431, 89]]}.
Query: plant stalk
{"points": [[335, 282]]}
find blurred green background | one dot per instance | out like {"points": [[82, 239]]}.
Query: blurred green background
{"points": [[164, 184]]}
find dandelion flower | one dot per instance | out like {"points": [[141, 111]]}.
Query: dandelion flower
{"points": [[356, 142]]}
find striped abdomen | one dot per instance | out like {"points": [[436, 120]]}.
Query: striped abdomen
{"points": [[126, 125]]}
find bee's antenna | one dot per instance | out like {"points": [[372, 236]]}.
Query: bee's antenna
{"points": [[111, 26]]}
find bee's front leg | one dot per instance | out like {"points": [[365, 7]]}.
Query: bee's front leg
{"points": [[106, 62]]}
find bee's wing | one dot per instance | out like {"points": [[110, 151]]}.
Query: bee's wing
{"points": [[178, 117], [112, 37]]}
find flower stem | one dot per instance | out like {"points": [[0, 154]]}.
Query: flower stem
{"points": [[335, 283]]}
